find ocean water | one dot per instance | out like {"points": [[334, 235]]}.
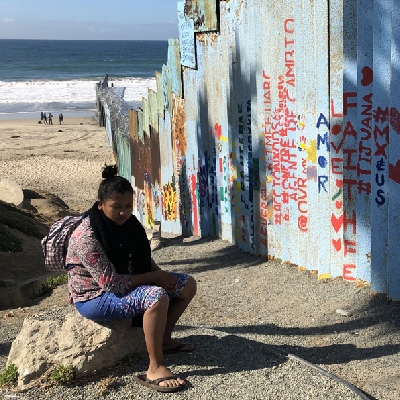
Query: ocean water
{"points": [[61, 75]]}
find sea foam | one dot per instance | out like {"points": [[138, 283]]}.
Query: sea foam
{"points": [[28, 97]]}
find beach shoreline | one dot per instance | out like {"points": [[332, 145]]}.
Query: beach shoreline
{"points": [[36, 116], [14, 122]]}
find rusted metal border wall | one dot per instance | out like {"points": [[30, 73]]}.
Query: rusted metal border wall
{"points": [[276, 127]]}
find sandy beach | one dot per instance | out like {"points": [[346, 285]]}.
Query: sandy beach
{"points": [[64, 160]]}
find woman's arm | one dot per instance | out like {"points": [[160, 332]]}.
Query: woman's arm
{"points": [[166, 280], [86, 250], [92, 256], [157, 278]]}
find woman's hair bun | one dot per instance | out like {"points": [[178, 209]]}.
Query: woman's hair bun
{"points": [[109, 171]]}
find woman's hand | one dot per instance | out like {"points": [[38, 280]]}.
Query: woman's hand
{"points": [[158, 278], [165, 280]]}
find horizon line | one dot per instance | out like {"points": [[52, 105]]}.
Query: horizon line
{"points": [[94, 40]]}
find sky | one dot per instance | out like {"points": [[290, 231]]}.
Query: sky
{"points": [[89, 19]]}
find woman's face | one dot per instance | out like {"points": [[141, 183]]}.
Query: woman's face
{"points": [[118, 207]]}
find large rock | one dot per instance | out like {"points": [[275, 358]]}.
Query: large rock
{"points": [[66, 338], [11, 192]]}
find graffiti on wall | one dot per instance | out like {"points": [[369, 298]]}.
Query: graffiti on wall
{"points": [[266, 195], [147, 201], [184, 204], [323, 149], [394, 169], [249, 178], [302, 203], [344, 147], [194, 201], [238, 188], [156, 200], [279, 132], [169, 201], [243, 171], [213, 203], [224, 167]]}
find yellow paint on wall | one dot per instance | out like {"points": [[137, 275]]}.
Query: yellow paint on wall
{"points": [[303, 146], [324, 276], [234, 172], [170, 202], [312, 151], [301, 125]]}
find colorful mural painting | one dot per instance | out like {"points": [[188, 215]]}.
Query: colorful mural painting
{"points": [[281, 135], [169, 202]]}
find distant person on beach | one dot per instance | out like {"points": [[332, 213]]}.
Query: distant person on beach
{"points": [[112, 276], [45, 118], [60, 118], [50, 118], [41, 117]]}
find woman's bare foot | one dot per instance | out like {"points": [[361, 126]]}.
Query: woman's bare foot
{"points": [[163, 372]]}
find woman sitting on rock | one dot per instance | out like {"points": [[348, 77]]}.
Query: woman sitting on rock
{"points": [[111, 276]]}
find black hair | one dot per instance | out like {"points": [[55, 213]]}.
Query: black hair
{"points": [[112, 183]]}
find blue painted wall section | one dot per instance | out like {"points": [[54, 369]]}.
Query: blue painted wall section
{"points": [[277, 137]]}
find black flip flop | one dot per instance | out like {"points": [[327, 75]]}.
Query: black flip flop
{"points": [[154, 384], [179, 349]]}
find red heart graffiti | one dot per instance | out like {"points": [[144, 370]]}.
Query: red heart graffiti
{"points": [[395, 119], [337, 244], [339, 183], [394, 172], [339, 205], [336, 222], [368, 76]]}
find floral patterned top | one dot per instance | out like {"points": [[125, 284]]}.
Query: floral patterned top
{"points": [[90, 273]]}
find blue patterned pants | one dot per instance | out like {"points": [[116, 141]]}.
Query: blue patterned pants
{"points": [[113, 306]]}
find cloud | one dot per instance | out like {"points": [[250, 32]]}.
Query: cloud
{"points": [[8, 20], [96, 29], [61, 30]]}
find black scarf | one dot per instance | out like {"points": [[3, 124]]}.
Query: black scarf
{"points": [[126, 246]]}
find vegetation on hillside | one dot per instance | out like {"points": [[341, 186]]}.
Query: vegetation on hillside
{"points": [[12, 218]]}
